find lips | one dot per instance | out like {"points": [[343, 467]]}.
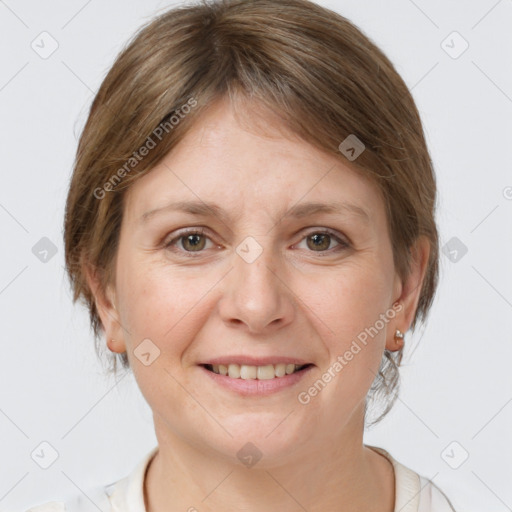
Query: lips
{"points": [[255, 381]]}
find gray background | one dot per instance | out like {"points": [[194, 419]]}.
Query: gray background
{"points": [[456, 380]]}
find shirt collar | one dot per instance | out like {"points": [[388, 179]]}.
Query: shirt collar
{"points": [[127, 495], [407, 484]]}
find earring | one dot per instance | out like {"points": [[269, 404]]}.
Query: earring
{"points": [[399, 338], [110, 343]]}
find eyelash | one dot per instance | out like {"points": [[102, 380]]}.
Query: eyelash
{"points": [[202, 232]]}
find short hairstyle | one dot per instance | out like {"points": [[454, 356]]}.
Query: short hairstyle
{"points": [[307, 65]]}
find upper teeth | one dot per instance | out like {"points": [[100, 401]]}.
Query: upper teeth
{"points": [[243, 371]]}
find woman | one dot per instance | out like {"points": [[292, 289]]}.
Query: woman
{"points": [[251, 224]]}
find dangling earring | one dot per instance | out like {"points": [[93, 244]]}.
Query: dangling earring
{"points": [[399, 339]]}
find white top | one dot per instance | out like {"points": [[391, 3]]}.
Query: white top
{"points": [[413, 493]]}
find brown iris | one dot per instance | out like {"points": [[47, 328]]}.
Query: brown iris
{"points": [[195, 242], [325, 241]]}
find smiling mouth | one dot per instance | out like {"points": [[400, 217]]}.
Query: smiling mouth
{"points": [[248, 372]]}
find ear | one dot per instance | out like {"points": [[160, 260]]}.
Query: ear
{"points": [[105, 300], [408, 292]]}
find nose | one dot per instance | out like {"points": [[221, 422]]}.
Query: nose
{"points": [[255, 295]]}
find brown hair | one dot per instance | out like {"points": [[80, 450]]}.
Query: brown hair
{"points": [[308, 65]]}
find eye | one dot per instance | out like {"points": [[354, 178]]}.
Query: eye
{"points": [[192, 240], [319, 241]]}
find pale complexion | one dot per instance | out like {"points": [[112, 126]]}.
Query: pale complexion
{"points": [[302, 297]]}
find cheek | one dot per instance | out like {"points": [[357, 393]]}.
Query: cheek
{"points": [[347, 316], [351, 309], [162, 304], [165, 307], [353, 298]]}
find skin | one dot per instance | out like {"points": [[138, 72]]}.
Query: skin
{"points": [[294, 300]]}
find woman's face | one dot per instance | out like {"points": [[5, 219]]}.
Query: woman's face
{"points": [[268, 280]]}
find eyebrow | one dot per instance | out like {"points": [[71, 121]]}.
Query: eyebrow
{"points": [[205, 209]]}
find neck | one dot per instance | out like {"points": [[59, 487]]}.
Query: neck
{"points": [[340, 474]]}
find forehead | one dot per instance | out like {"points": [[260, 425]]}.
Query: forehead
{"points": [[238, 161]]}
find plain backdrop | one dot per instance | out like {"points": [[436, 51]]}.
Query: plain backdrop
{"points": [[453, 419]]}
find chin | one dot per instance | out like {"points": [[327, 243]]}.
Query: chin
{"points": [[264, 440]]}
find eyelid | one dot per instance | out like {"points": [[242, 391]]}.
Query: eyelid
{"points": [[321, 230], [193, 230]]}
